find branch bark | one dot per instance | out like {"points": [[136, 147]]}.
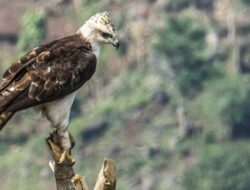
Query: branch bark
{"points": [[107, 176], [65, 177]]}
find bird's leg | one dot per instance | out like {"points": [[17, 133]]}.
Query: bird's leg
{"points": [[65, 141], [61, 136]]}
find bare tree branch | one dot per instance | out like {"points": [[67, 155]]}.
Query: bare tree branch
{"points": [[66, 179], [107, 176]]}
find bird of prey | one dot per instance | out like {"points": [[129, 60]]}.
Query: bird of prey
{"points": [[48, 77]]}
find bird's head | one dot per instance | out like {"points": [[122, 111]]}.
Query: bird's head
{"points": [[99, 29]]}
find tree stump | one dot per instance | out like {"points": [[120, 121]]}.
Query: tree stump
{"points": [[65, 177]]}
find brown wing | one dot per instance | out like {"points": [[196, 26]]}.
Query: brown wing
{"points": [[47, 73]]}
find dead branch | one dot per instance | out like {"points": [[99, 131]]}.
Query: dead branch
{"points": [[65, 177], [107, 176]]}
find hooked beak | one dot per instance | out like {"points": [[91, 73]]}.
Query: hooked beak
{"points": [[115, 42]]}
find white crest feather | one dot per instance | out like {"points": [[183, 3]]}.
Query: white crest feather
{"points": [[101, 21]]}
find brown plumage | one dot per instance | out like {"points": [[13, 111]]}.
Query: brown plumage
{"points": [[46, 73], [49, 76]]}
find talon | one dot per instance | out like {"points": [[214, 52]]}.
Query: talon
{"points": [[73, 161], [63, 156], [70, 159]]}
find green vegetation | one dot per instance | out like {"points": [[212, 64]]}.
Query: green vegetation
{"points": [[180, 4], [228, 98], [33, 30], [182, 42], [83, 10], [220, 167]]}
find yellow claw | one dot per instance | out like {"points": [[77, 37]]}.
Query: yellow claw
{"points": [[66, 156], [72, 159], [62, 158]]}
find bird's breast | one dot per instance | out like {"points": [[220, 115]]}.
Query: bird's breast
{"points": [[57, 110]]}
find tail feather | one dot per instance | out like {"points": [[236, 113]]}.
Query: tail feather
{"points": [[4, 118]]}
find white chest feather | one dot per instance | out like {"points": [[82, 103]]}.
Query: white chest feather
{"points": [[58, 111]]}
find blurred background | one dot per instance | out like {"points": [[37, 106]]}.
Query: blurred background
{"points": [[171, 106]]}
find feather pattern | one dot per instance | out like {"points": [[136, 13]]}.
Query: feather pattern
{"points": [[47, 73]]}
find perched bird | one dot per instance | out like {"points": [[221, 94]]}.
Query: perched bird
{"points": [[48, 77]]}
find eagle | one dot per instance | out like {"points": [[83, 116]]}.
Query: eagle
{"points": [[49, 76]]}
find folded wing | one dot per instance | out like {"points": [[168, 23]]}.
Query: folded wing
{"points": [[47, 73]]}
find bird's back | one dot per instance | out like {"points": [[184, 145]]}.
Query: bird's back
{"points": [[46, 73]]}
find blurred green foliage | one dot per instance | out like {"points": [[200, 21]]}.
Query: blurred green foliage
{"points": [[179, 4], [225, 103], [33, 30], [182, 42], [220, 167], [236, 110], [84, 10]]}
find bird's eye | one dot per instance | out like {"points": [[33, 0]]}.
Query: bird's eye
{"points": [[106, 35]]}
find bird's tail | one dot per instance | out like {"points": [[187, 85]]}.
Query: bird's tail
{"points": [[5, 117]]}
